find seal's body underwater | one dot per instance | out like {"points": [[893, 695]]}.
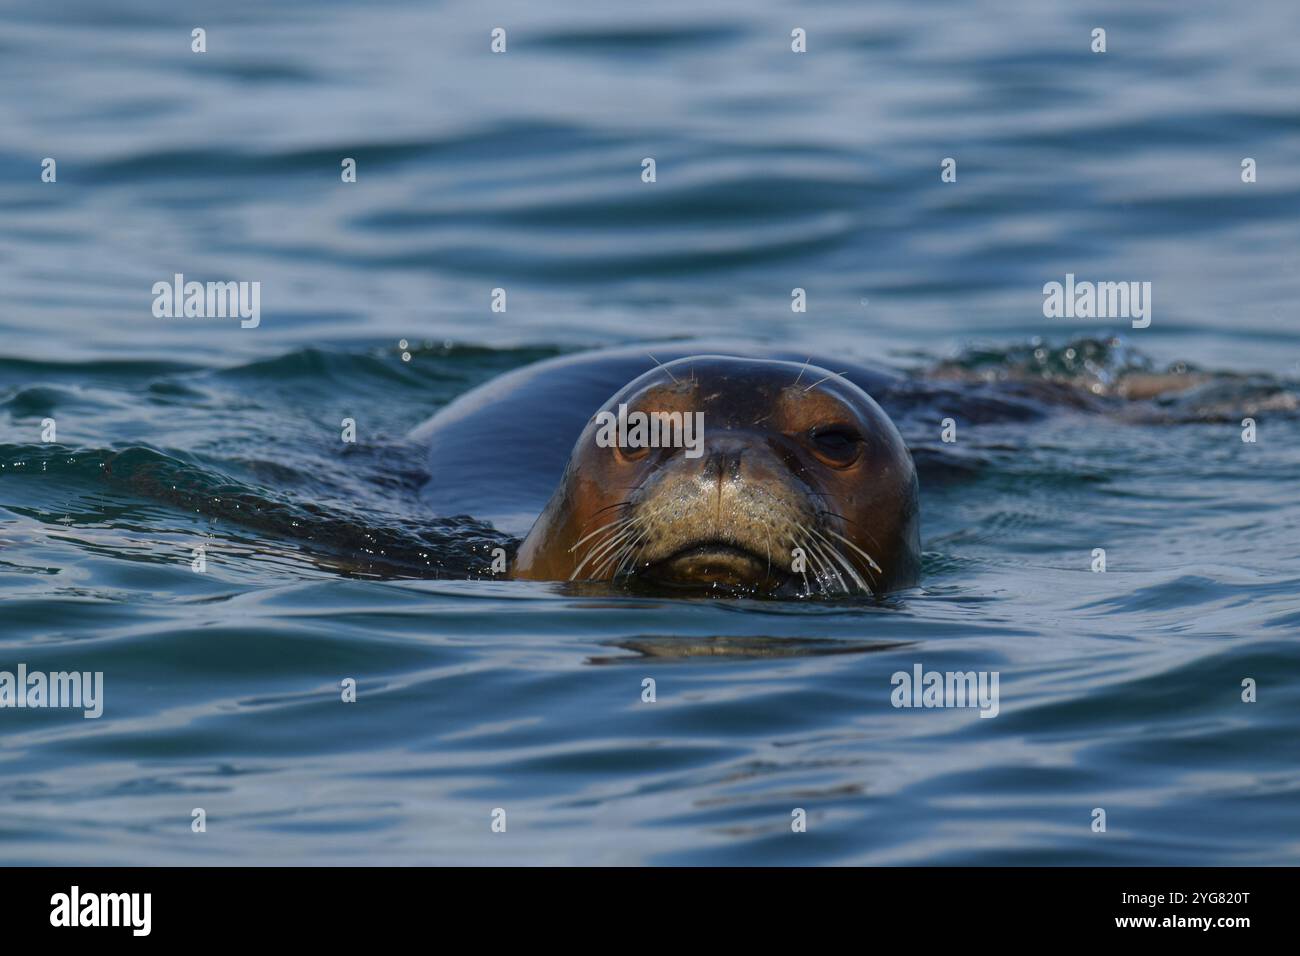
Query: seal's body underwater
{"points": [[796, 481]]}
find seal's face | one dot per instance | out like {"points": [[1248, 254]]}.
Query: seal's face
{"points": [[758, 476]]}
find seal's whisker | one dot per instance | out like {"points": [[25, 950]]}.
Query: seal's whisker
{"points": [[823, 579], [596, 550], [830, 554], [664, 367], [604, 547], [634, 550], [637, 544], [588, 555], [870, 559], [602, 557], [617, 504], [616, 555], [820, 380], [621, 558], [836, 560], [844, 562], [639, 528], [802, 370], [826, 569], [636, 547], [577, 544]]}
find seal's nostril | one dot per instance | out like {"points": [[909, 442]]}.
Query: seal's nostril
{"points": [[716, 464]]}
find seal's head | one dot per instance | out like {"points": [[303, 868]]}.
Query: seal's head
{"points": [[755, 476]]}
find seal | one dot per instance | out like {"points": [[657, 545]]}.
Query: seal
{"points": [[796, 481]]}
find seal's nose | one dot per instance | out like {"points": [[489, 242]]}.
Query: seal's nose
{"points": [[722, 457]]}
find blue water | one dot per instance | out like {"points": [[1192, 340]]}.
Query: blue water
{"points": [[1119, 690]]}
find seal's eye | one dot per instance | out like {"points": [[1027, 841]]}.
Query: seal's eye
{"points": [[633, 453], [836, 445]]}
